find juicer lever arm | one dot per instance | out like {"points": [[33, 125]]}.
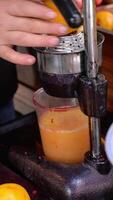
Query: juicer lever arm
{"points": [[69, 12], [90, 37]]}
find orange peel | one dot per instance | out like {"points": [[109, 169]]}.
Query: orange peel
{"points": [[13, 191]]}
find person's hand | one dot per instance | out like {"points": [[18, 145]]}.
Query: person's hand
{"points": [[79, 2], [26, 23]]}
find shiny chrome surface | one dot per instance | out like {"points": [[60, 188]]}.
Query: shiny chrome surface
{"points": [[68, 44], [90, 32], [95, 136], [92, 66], [68, 57]]}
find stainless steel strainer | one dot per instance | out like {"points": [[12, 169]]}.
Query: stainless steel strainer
{"points": [[59, 67], [67, 57]]}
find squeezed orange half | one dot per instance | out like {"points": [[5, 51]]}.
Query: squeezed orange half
{"points": [[64, 134], [59, 18]]}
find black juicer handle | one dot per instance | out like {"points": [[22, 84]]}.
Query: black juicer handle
{"points": [[69, 12]]}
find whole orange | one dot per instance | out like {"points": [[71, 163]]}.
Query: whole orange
{"points": [[105, 19], [13, 191]]}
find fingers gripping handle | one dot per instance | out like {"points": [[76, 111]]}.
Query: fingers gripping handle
{"points": [[69, 12]]}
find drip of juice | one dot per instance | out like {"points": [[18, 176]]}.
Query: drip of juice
{"points": [[64, 135]]}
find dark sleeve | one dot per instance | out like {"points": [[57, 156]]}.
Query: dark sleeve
{"points": [[8, 81]]}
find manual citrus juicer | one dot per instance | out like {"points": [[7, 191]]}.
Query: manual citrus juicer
{"points": [[71, 70]]}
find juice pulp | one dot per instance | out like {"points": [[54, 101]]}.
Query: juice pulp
{"points": [[64, 135]]}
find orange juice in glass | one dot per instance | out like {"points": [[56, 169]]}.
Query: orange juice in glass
{"points": [[63, 128]]}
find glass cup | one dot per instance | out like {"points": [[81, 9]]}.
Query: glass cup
{"points": [[63, 128]]}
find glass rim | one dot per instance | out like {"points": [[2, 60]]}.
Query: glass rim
{"points": [[61, 108]]}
